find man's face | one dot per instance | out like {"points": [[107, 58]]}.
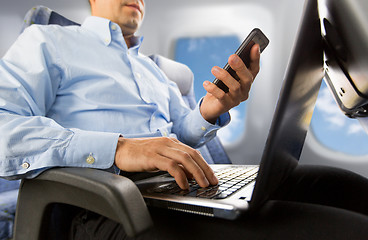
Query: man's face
{"points": [[128, 14]]}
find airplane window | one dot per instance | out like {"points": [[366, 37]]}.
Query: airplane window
{"points": [[334, 130], [200, 54]]}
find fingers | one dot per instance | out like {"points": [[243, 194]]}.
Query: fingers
{"points": [[238, 90], [239, 67], [175, 170], [226, 78], [255, 56], [166, 154], [192, 162]]}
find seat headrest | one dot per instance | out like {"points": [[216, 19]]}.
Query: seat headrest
{"points": [[44, 15], [36, 15]]}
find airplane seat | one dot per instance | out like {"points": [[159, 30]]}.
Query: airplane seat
{"points": [[108, 194]]}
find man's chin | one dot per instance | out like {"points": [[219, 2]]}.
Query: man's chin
{"points": [[130, 27]]}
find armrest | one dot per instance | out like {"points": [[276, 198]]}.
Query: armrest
{"points": [[110, 195]]}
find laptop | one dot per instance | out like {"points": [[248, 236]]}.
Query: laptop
{"points": [[243, 188]]}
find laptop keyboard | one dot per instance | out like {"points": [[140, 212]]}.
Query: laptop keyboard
{"points": [[231, 180]]}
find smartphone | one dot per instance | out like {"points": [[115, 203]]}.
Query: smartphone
{"points": [[256, 36]]}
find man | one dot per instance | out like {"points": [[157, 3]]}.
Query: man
{"points": [[84, 96]]}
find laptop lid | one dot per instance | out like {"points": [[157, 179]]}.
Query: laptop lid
{"points": [[294, 108]]}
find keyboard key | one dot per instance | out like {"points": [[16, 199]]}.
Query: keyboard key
{"points": [[221, 196], [227, 185], [237, 187], [223, 188]]}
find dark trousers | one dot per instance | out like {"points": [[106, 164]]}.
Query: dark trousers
{"points": [[92, 226], [315, 202]]}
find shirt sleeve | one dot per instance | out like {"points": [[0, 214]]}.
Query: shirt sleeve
{"points": [[189, 125], [30, 74]]}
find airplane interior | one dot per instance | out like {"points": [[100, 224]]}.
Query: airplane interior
{"points": [[202, 34]]}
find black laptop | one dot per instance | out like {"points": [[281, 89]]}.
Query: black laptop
{"points": [[242, 188]]}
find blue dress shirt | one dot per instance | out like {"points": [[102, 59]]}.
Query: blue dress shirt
{"points": [[68, 93]]}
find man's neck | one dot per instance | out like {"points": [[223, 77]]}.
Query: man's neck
{"points": [[129, 40]]}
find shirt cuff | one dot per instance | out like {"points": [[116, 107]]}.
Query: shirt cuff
{"points": [[91, 149], [204, 130]]}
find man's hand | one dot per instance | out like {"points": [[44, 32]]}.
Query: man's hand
{"points": [[167, 154], [216, 101]]}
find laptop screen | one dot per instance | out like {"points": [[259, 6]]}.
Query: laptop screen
{"points": [[294, 108]]}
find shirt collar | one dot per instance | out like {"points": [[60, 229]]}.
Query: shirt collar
{"points": [[107, 31]]}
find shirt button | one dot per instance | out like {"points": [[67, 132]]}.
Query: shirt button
{"points": [[113, 27], [203, 129], [165, 134], [90, 159], [139, 76], [25, 165]]}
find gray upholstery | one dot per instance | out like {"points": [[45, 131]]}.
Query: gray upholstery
{"points": [[108, 194]]}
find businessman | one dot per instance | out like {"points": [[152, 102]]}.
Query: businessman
{"points": [[85, 97]]}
